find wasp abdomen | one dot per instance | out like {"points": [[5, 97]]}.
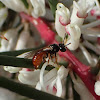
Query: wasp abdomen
{"points": [[38, 57]]}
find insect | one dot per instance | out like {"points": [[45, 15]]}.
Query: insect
{"points": [[43, 53]]}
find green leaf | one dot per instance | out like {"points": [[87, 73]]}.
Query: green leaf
{"points": [[18, 52], [58, 38], [16, 62], [25, 3], [52, 4], [1, 5], [25, 90], [67, 86]]}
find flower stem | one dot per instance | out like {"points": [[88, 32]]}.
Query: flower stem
{"points": [[82, 71], [48, 36]]}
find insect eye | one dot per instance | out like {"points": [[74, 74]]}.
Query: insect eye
{"points": [[62, 47]]}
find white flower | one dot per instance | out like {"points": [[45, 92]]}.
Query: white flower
{"points": [[61, 75], [14, 69], [63, 14], [46, 79], [74, 36], [29, 77], [23, 40], [33, 77], [38, 8], [73, 29], [3, 15], [16, 5], [50, 75], [62, 19], [11, 35], [97, 88], [81, 89], [53, 80], [74, 18], [80, 11], [84, 6]]}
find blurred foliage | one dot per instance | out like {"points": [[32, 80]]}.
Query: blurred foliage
{"points": [[1, 5], [18, 52], [10, 21], [26, 90], [15, 61], [8, 58], [52, 4], [25, 3]]}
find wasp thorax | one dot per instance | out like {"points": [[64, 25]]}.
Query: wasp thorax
{"points": [[55, 48]]}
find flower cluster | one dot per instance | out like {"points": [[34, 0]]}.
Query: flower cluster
{"points": [[71, 25], [36, 7], [16, 41]]}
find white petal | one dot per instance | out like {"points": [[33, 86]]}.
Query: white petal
{"points": [[74, 19], [23, 40], [81, 88], [59, 27], [52, 73], [88, 56], [38, 8], [3, 15], [15, 5], [51, 85], [62, 18], [59, 87], [63, 72], [41, 75], [11, 35], [74, 36], [38, 86], [97, 88], [29, 77], [12, 69]]}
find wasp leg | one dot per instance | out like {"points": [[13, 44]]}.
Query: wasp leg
{"points": [[49, 56], [44, 57], [55, 58]]}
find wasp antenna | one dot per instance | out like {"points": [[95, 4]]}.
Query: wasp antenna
{"points": [[67, 44]]}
